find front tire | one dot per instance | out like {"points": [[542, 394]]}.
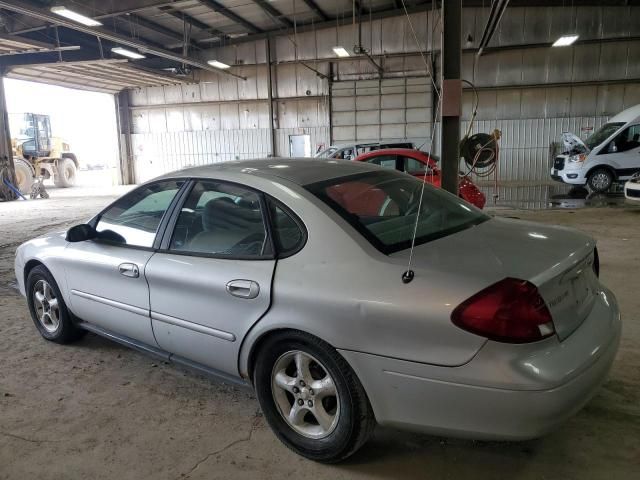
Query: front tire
{"points": [[48, 310], [311, 397], [24, 175], [600, 180], [66, 174]]}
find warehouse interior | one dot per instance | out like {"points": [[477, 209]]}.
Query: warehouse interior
{"points": [[201, 82]]}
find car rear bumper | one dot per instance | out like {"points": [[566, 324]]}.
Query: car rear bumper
{"points": [[506, 392]]}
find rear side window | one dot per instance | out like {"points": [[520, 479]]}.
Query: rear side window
{"points": [[288, 234], [222, 219], [134, 219]]}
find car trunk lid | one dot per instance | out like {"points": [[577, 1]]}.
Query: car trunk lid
{"points": [[557, 260]]}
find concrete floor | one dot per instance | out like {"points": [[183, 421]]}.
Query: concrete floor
{"points": [[97, 410]]}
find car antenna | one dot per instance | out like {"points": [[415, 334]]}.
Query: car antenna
{"points": [[408, 274]]}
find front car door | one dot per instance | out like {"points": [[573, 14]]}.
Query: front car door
{"points": [[105, 276], [211, 280], [421, 168]]}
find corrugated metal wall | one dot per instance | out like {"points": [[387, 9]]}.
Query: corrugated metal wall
{"points": [[223, 118]]}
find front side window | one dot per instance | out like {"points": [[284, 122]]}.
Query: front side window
{"points": [[220, 218], [411, 165], [383, 207], [385, 161], [626, 140], [134, 219]]}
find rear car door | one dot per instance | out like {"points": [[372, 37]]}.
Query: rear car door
{"points": [[211, 280], [105, 276]]}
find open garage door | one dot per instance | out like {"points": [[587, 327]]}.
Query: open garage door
{"points": [[382, 110]]}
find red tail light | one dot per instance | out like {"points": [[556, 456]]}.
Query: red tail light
{"points": [[510, 311]]}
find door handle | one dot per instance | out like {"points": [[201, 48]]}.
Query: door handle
{"points": [[243, 288], [129, 270]]}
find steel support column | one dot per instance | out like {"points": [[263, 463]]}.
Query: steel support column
{"points": [[451, 107], [123, 119], [272, 132], [6, 152]]}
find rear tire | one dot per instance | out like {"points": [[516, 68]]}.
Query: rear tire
{"points": [[48, 310], [600, 180], [67, 173], [24, 175], [326, 425]]}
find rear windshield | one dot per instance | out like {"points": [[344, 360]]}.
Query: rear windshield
{"points": [[600, 135], [383, 207]]}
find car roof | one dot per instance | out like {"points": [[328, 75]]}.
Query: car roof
{"points": [[301, 171], [412, 152]]}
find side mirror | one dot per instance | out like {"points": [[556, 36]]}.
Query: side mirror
{"points": [[612, 147], [80, 233]]}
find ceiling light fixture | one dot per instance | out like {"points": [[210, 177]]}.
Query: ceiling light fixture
{"points": [[217, 64], [565, 40], [341, 52], [127, 53], [75, 16]]}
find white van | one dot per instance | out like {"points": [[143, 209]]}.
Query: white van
{"points": [[610, 154]]}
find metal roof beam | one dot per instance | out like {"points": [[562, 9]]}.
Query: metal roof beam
{"points": [[222, 10], [316, 9], [274, 13], [44, 15], [185, 17]]}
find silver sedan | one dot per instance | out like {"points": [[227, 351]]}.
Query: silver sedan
{"points": [[293, 276]]}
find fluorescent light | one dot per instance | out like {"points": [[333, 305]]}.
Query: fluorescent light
{"points": [[127, 53], [565, 41], [341, 51], [217, 64], [75, 16]]}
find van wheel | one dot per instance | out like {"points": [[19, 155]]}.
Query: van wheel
{"points": [[600, 180]]}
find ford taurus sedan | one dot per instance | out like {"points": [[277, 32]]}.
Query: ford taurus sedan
{"points": [[291, 276]]}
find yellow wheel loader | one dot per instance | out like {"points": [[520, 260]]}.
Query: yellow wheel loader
{"points": [[36, 153]]}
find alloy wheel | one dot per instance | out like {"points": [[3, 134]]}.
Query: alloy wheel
{"points": [[305, 394], [600, 181], [46, 306]]}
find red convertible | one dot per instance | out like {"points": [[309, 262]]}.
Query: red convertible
{"points": [[414, 162]]}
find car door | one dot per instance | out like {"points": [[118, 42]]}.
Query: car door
{"points": [[623, 152], [419, 169], [211, 280], [105, 276]]}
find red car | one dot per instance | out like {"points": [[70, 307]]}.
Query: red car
{"points": [[414, 163]]}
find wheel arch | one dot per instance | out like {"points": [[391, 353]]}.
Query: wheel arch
{"points": [[254, 340], [602, 166], [30, 265]]}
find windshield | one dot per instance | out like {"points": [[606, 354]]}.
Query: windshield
{"points": [[383, 207], [326, 153], [600, 135]]}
